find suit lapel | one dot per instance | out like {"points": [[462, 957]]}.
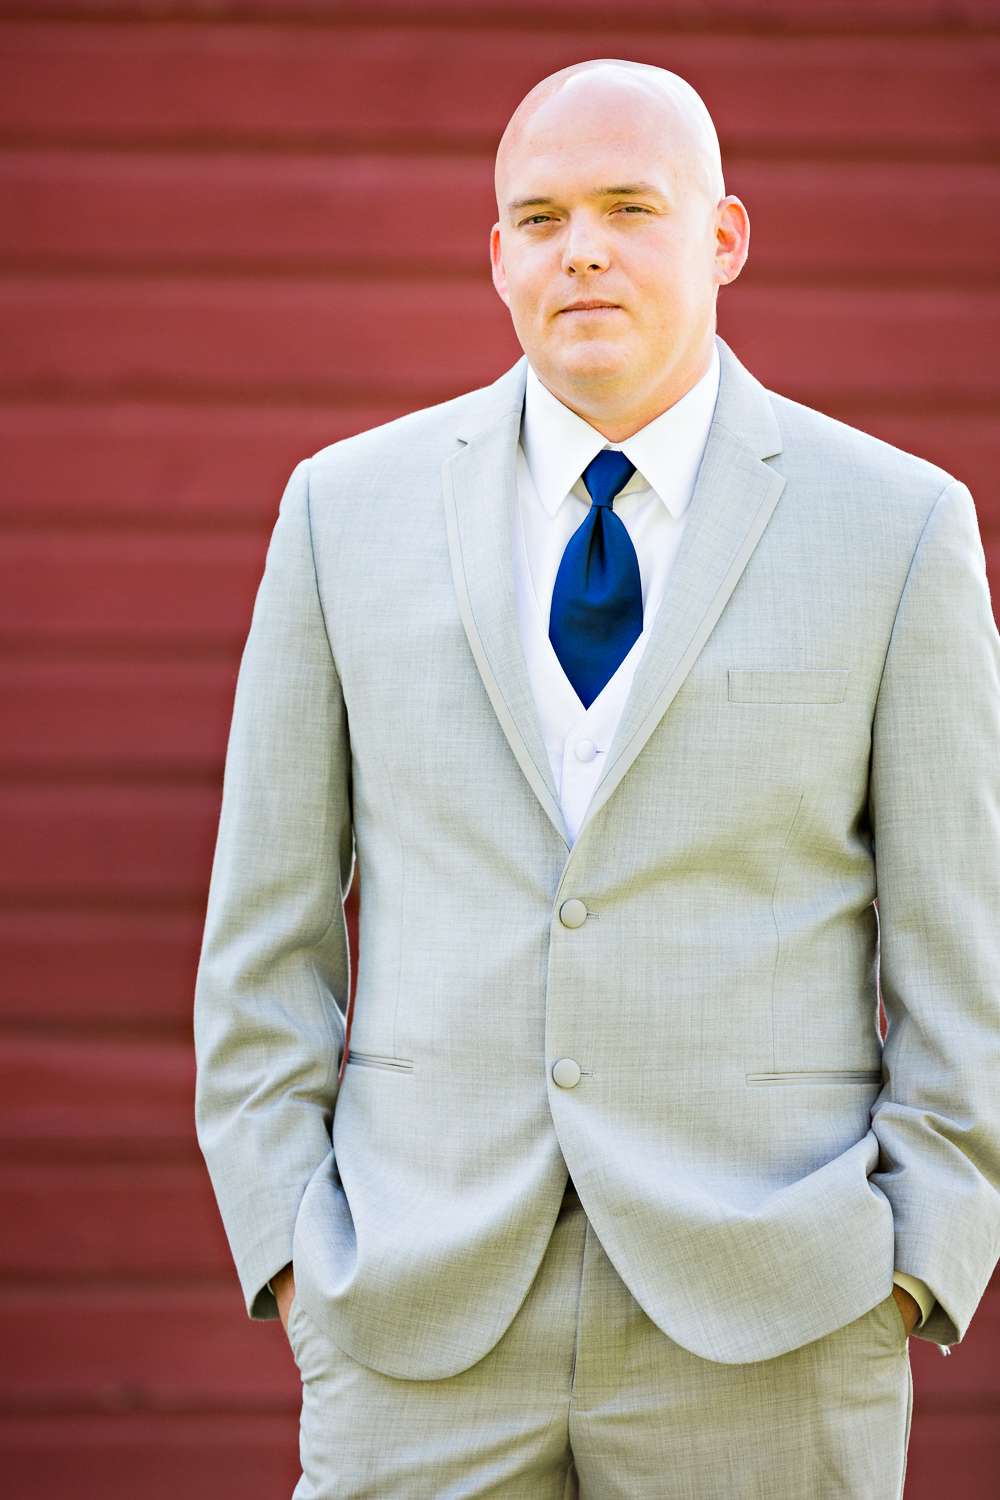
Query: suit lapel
{"points": [[733, 501], [479, 498]]}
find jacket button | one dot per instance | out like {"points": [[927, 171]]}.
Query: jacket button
{"points": [[572, 914], [566, 1073]]}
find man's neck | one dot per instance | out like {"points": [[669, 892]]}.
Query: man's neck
{"points": [[618, 415]]}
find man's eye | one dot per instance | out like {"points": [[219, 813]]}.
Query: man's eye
{"points": [[634, 208], [538, 219]]}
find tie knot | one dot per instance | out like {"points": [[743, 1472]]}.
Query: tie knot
{"points": [[609, 473]]}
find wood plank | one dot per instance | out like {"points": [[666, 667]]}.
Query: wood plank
{"points": [[160, 1348], [139, 463], [222, 1457], [173, 466], [888, 223], [317, 340], [669, 15], [135, 589], [247, 212], [154, 1349], [155, 1456], [75, 1223], [308, 340], [129, 970], [109, 845], [868, 346], [111, 1099], [410, 87], [89, 970], [128, 716]]}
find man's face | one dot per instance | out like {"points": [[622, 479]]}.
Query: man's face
{"points": [[607, 247]]}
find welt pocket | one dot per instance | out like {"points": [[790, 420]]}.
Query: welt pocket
{"points": [[857, 1076], [826, 686], [372, 1060]]}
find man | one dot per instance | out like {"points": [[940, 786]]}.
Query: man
{"points": [[631, 686]]}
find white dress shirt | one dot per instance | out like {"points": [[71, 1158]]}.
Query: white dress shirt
{"points": [[552, 502]]}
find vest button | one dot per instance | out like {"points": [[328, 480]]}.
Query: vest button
{"points": [[572, 914], [585, 751], [566, 1073]]}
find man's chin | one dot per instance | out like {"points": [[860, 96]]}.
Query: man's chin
{"points": [[591, 363]]}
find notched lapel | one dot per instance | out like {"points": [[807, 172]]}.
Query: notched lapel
{"points": [[734, 499], [479, 497]]}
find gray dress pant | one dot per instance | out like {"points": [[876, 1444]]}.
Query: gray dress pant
{"points": [[584, 1396]]}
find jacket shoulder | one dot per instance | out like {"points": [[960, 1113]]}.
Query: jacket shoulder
{"points": [[420, 440], [852, 463]]}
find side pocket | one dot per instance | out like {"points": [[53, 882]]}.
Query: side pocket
{"points": [[863, 1077], [310, 1350], [372, 1060], [892, 1324], [292, 1330]]}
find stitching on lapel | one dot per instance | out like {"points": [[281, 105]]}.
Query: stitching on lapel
{"points": [[503, 713], [675, 681]]}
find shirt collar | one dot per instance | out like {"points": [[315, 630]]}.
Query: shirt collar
{"points": [[558, 445]]}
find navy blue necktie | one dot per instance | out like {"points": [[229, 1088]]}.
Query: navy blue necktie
{"points": [[596, 615]]}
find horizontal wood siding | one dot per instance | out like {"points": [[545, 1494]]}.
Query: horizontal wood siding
{"points": [[231, 233]]}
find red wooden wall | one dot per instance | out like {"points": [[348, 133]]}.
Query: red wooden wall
{"points": [[233, 231]]}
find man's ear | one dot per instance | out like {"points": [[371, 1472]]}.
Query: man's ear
{"points": [[732, 240], [496, 260]]}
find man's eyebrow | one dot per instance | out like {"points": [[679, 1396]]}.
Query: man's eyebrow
{"points": [[629, 190]]}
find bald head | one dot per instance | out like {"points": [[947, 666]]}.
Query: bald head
{"points": [[613, 239], [623, 98]]}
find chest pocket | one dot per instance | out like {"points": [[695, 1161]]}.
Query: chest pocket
{"points": [[788, 687]]}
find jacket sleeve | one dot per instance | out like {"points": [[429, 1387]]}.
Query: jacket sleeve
{"points": [[273, 980], [935, 811]]}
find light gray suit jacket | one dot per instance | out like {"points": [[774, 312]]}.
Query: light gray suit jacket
{"points": [[815, 723]]}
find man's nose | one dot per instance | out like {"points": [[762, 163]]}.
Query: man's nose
{"points": [[584, 251]]}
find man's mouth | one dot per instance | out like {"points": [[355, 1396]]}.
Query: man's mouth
{"points": [[591, 304]]}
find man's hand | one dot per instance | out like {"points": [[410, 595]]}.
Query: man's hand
{"points": [[908, 1306], [283, 1287]]}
